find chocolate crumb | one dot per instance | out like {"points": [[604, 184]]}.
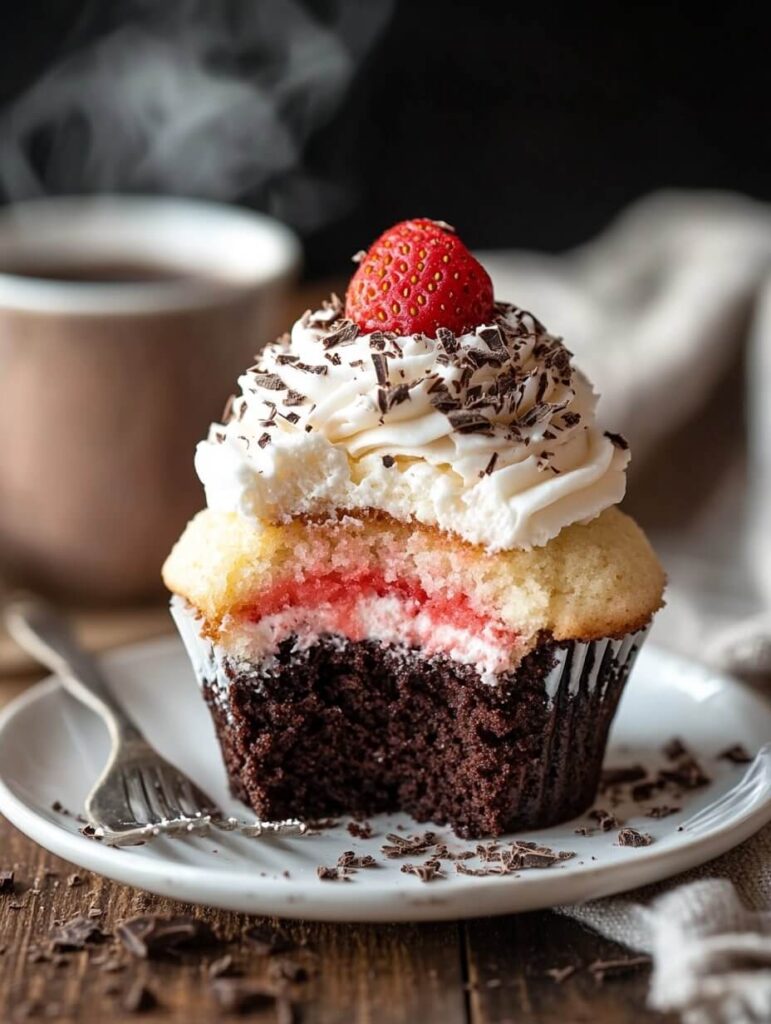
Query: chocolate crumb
{"points": [[631, 837], [736, 754], [388, 461], [139, 998], [687, 773], [584, 831], [334, 874]]}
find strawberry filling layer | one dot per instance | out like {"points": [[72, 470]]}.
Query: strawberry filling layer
{"points": [[366, 606]]}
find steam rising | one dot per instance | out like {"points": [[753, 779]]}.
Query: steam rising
{"points": [[193, 97]]}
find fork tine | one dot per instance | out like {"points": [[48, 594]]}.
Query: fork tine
{"points": [[139, 797], [154, 781]]}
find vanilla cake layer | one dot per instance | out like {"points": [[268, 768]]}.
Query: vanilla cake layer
{"points": [[373, 577]]}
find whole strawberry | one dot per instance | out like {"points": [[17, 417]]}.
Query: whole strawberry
{"points": [[419, 276]]}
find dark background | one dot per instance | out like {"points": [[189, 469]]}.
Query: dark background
{"points": [[524, 125]]}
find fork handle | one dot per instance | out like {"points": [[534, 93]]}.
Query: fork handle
{"points": [[45, 634]]}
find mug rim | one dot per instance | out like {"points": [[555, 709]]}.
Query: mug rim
{"points": [[228, 249]]}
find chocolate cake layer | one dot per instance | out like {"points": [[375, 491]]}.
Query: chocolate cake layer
{"points": [[362, 727]]}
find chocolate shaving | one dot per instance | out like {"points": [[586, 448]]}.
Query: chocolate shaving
{"points": [[269, 381], [605, 819], [397, 395], [688, 773], [240, 995], [6, 881], [149, 935], [362, 830], [75, 934], [380, 363], [265, 941], [404, 846], [426, 872], [318, 368], [492, 337], [334, 874], [377, 340], [674, 749], [631, 837], [447, 340], [263, 440], [139, 998], [491, 464], [388, 461], [735, 754], [662, 811], [292, 398], [618, 440], [619, 776], [600, 969], [560, 974]]}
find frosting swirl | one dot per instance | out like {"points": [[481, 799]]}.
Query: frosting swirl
{"points": [[490, 435]]}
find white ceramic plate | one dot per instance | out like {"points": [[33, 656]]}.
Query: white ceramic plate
{"points": [[51, 748]]}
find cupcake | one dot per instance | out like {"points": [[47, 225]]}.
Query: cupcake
{"points": [[411, 587]]}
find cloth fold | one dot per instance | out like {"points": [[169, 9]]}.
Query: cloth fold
{"points": [[669, 313]]}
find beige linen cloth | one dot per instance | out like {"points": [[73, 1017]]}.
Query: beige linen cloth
{"points": [[669, 312]]}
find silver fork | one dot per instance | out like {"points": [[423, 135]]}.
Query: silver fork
{"points": [[139, 793]]}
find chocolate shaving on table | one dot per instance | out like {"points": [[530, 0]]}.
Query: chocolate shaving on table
{"points": [[736, 754], [75, 934], [6, 881], [604, 818], [240, 995], [560, 974], [600, 969], [405, 846], [426, 872], [151, 935], [139, 998], [631, 837], [662, 811], [265, 941]]}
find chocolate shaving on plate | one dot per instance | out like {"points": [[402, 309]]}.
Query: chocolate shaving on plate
{"points": [[662, 811], [426, 872], [405, 846], [362, 829], [631, 837], [620, 776], [605, 819], [332, 874], [674, 748], [736, 754]]}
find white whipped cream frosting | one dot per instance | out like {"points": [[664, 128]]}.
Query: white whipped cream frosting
{"points": [[490, 435]]}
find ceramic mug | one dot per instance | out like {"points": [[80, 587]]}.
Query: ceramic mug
{"points": [[123, 325]]}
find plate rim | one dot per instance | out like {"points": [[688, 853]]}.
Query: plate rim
{"points": [[379, 903]]}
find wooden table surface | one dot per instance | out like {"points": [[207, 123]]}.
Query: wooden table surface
{"points": [[481, 971]]}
